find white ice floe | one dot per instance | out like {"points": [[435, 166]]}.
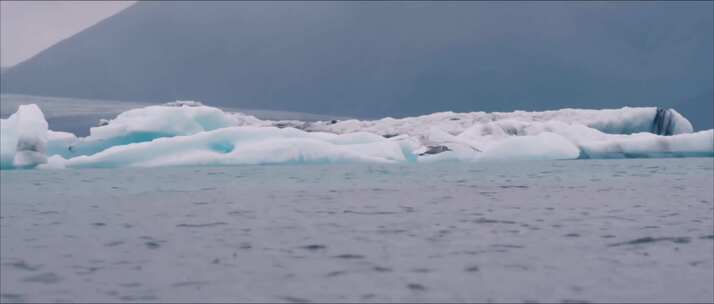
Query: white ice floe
{"points": [[149, 123], [650, 145], [23, 138], [247, 145], [58, 143], [189, 133], [613, 121]]}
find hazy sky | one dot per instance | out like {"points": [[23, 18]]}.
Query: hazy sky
{"points": [[28, 27]]}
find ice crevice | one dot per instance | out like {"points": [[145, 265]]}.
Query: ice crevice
{"points": [[189, 133]]}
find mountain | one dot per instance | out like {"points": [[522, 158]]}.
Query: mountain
{"points": [[372, 59], [699, 109]]}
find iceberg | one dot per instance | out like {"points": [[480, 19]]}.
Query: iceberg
{"points": [[184, 133], [644, 145], [23, 138], [246, 145], [149, 123], [626, 120], [59, 143]]}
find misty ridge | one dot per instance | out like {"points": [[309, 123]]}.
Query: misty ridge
{"points": [[376, 59]]}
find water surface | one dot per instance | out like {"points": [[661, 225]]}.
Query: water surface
{"points": [[585, 230]]}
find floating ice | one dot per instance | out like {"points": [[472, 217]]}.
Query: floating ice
{"points": [[246, 145], [189, 133], [58, 143], [643, 145], [613, 121], [544, 146], [149, 123], [23, 138]]}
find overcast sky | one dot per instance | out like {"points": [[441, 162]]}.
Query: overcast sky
{"points": [[28, 27]]}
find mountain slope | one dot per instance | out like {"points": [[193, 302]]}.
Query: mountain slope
{"points": [[375, 59]]}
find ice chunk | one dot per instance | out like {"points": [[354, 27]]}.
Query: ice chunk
{"points": [[8, 141], [644, 145], [248, 145], [149, 123], [669, 122], [53, 162], [189, 133], [24, 138], [544, 146], [59, 143], [612, 121]]}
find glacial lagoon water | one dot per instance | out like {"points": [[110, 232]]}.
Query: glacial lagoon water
{"points": [[539, 231]]}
